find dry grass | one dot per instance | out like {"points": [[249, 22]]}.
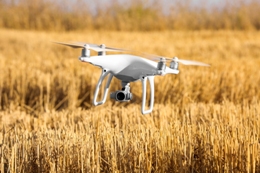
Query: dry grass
{"points": [[204, 120], [70, 15], [200, 138]]}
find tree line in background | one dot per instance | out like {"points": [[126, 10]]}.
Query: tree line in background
{"points": [[136, 16]]}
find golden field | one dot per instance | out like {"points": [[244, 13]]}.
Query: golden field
{"points": [[204, 119]]}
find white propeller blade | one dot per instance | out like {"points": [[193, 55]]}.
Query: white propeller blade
{"points": [[94, 47], [188, 62], [184, 62], [70, 45], [100, 48]]}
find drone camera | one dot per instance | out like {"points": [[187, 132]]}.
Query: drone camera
{"points": [[121, 96]]}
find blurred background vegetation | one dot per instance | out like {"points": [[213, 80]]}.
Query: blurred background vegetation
{"points": [[134, 16]]}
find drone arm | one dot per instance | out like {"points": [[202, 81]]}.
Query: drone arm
{"points": [[104, 73], [144, 81]]}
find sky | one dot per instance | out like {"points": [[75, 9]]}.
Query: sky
{"points": [[166, 4]]}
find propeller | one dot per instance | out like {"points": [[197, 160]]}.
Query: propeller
{"points": [[101, 48], [188, 62], [95, 47], [175, 59]]}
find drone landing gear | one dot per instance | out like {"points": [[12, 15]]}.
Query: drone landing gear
{"points": [[144, 82], [104, 73]]}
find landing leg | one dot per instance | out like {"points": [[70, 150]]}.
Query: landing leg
{"points": [[144, 81], [104, 73]]}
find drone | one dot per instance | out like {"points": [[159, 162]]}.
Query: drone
{"points": [[127, 68]]}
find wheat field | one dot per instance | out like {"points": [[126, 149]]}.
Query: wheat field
{"points": [[204, 119]]}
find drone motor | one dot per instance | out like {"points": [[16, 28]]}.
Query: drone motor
{"points": [[161, 66], [102, 46], [85, 51], [174, 63]]}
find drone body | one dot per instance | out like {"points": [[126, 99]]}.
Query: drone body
{"points": [[127, 68]]}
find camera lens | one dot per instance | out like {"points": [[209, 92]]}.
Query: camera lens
{"points": [[120, 96]]}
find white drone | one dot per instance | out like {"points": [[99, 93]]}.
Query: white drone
{"points": [[127, 68]]}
